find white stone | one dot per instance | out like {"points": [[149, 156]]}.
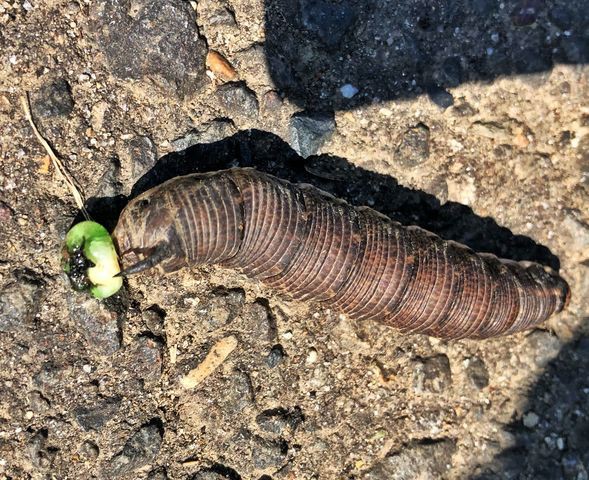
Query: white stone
{"points": [[311, 356], [531, 419], [348, 90]]}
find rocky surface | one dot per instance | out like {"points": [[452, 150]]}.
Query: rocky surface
{"points": [[469, 119], [157, 41]]}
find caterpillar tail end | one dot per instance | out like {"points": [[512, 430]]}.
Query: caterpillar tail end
{"points": [[563, 293], [551, 280]]}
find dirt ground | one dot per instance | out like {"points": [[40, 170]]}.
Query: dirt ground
{"points": [[470, 119]]}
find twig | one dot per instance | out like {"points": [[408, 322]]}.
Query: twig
{"points": [[59, 166], [216, 356]]}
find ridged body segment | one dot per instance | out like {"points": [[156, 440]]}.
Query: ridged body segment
{"points": [[311, 246]]}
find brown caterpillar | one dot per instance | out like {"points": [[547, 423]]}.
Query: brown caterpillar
{"points": [[304, 242]]}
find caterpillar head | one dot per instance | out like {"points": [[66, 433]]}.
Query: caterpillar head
{"points": [[145, 235]]}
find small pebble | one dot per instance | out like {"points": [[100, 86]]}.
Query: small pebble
{"points": [[275, 356], [210, 132], [348, 90], [477, 372], [238, 99], [441, 97], [53, 99], [145, 358], [271, 101], [5, 105], [38, 402], [96, 415], [154, 318], [413, 149], [432, 374], [220, 66], [549, 441], [41, 456], [5, 212], [89, 451], [141, 448], [258, 320], [544, 347], [531, 419], [309, 131], [311, 356], [279, 419], [49, 375], [428, 459], [525, 13], [222, 16], [238, 392], [268, 453]]}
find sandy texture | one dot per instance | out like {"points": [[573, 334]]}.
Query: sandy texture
{"points": [[471, 119]]}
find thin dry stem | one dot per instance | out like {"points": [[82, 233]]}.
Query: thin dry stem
{"points": [[59, 166]]}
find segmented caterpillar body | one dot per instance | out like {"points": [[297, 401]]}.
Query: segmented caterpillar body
{"points": [[307, 244]]}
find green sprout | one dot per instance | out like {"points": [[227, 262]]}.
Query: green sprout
{"points": [[90, 260]]}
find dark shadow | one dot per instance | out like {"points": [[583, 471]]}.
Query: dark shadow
{"points": [[269, 153], [104, 210], [401, 49], [557, 446]]}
